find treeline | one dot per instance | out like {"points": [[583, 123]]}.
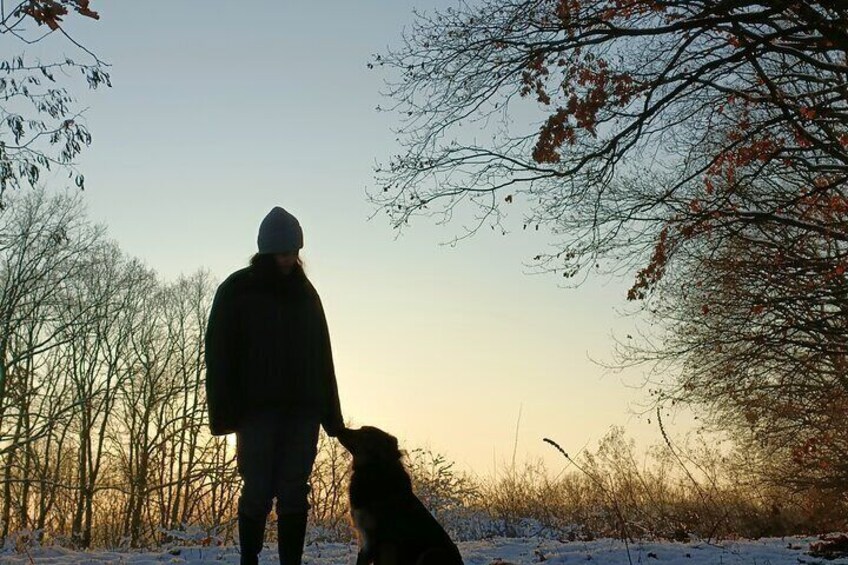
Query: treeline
{"points": [[102, 417]]}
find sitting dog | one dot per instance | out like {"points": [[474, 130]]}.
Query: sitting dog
{"points": [[394, 526]]}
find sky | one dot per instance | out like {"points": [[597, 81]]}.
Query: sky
{"points": [[221, 110]]}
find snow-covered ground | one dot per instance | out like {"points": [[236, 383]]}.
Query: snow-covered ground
{"points": [[488, 552]]}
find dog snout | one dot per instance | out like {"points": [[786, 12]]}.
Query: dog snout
{"points": [[346, 438]]}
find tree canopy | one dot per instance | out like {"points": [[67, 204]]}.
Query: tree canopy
{"points": [[700, 146], [40, 126], [663, 121]]}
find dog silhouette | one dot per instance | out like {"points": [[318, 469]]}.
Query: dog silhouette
{"points": [[394, 527]]}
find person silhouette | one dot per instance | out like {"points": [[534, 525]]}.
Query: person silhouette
{"points": [[270, 379]]}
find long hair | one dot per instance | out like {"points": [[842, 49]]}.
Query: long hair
{"points": [[265, 266], [267, 261]]}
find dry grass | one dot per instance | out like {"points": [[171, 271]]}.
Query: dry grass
{"points": [[669, 493]]}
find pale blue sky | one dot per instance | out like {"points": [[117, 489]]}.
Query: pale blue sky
{"points": [[222, 110]]}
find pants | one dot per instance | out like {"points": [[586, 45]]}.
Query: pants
{"points": [[275, 453]]}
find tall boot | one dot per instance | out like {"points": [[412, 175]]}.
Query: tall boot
{"points": [[291, 533], [251, 536]]}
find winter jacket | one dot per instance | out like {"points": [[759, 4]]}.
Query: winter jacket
{"points": [[268, 347]]}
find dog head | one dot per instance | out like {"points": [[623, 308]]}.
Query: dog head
{"points": [[369, 444]]}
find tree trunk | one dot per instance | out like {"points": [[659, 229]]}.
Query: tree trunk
{"points": [[7, 482]]}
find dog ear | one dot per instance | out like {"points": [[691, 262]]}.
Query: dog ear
{"points": [[395, 446]]}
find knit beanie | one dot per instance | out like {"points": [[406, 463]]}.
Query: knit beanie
{"points": [[279, 233]]}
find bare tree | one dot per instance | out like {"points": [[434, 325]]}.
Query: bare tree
{"points": [[42, 241], [145, 397], [184, 479], [51, 475], [95, 349]]}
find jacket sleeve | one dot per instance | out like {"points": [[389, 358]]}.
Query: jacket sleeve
{"points": [[221, 363], [332, 421]]}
